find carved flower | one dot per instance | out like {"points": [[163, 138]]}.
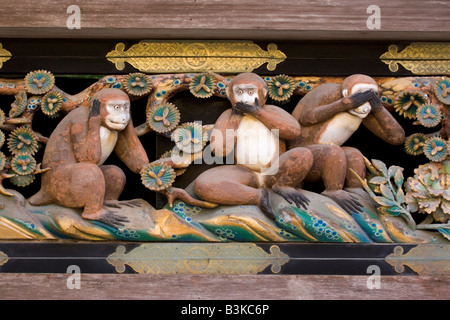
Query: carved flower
{"points": [[414, 144], [22, 141], [39, 82], [428, 192], [2, 160], [2, 117], [163, 118], [407, 103], [2, 138], [157, 176], [22, 180], [435, 149], [429, 115], [190, 137], [137, 84], [442, 90], [281, 88], [19, 104], [23, 164], [202, 86], [51, 103]]}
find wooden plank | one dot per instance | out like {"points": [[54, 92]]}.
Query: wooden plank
{"points": [[267, 287], [236, 19]]}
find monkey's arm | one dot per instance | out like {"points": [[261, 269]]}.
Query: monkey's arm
{"points": [[129, 149], [276, 118], [86, 141], [383, 124], [223, 136], [312, 113]]}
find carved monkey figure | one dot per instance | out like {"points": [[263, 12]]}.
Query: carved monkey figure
{"points": [[77, 149], [329, 115], [260, 156]]}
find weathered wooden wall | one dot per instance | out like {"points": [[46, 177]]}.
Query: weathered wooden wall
{"points": [[201, 287], [232, 19]]}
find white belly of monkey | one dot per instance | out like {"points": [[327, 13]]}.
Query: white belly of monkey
{"points": [[108, 139], [256, 146], [339, 129]]}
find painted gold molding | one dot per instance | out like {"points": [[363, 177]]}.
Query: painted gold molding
{"points": [[425, 259], [187, 258], [5, 55], [195, 56], [420, 58], [3, 258]]}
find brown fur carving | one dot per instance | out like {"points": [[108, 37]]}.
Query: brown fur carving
{"points": [[261, 160], [77, 149], [329, 115]]}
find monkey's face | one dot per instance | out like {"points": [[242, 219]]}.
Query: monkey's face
{"points": [[363, 110], [117, 114], [246, 93], [246, 87]]}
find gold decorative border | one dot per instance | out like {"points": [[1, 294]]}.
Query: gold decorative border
{"points": [[195, 56], [186, 258], [5, 55], [425, 259], [422, 58], [3, 258]]}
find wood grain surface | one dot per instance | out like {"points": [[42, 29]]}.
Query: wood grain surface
{"points": [[232, 19], [195, 287]]}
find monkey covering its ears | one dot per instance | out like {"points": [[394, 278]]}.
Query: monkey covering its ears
{"points": [[77, 149]]}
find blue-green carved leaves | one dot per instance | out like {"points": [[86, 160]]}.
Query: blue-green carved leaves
{"points": [[385, 187]]}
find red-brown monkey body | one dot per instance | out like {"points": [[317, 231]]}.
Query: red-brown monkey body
{"points": [[329, 115], [77, 149]]}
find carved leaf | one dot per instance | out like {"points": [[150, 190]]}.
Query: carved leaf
{"points": [[400, 196], [381, 167], [378, 180], [398, 177], [386, 191], [392, 211], [382, 201]]}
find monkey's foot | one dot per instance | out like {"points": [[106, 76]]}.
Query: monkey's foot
{"points": [[344, 199], [264, 204], [360, 192], [292, 195], [106, 217]]}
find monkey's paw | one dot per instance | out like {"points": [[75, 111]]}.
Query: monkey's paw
{"points": [[264, 205], [292, 195], [113, 220], [344, 199], [107, 217]]}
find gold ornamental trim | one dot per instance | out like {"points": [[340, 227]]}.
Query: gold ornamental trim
{"points": [[5, 55], [195, 56], [421, 58], [425, 259], [186, 258], [3, 258]]}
